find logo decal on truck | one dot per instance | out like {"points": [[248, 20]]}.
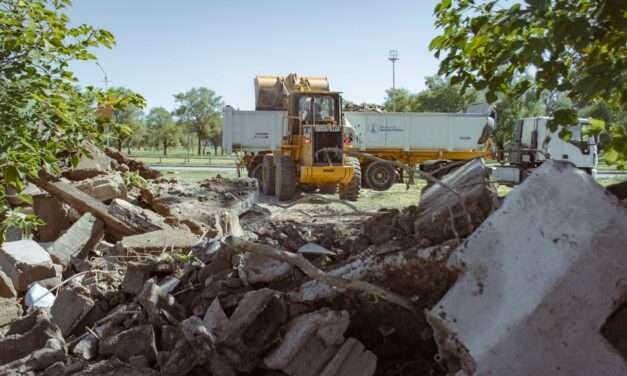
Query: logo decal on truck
{"points": [[261, 135], [384, 128]]}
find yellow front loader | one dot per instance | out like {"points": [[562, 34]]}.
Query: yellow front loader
{"points": [[311, 154]]}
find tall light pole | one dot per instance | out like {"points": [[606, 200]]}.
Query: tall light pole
{"points": [[393, 57]]}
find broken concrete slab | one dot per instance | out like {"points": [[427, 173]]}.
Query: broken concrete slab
{"points": [[56, 216], [253, 328], [140, 167], [540, 277], [351, 360], [315, 249], [253, 268], [104, 188], [6, 286], [115, 367], [69, 308], [78, 240], [84, 203], [444, 214], [25, 261], [310, 342], [135, 341], [160, 240], [98, 163], [28, 334], [139, 219], [215, 319], [10, 311]]}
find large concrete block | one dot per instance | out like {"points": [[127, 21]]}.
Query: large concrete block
{"points": [[540, 277], [69, 309], [309, 344], [6, 286], [25, 261], [56, 216], [10, 311], [82, 237], [104, 188]]}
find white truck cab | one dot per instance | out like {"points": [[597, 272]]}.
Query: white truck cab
{"points": [[533, 143]]}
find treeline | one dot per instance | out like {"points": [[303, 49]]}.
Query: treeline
{"points": [[440, 95], [197, 119]]}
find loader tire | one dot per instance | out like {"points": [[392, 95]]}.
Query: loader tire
{"points": [[267, 175], [328, 189], [350, 191], [380, 176], [285, 186]]}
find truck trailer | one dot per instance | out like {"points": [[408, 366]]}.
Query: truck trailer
{"points": [[410, 138]]}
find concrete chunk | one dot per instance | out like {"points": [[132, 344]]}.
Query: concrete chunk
{"points": [[443, 215], [6, 286], [69, 308], [104, 188], [215, 319], [310, 343], [135, 341], [181, 240], [141, 220], [27, 335], [540, 277], [80, 239], [25, 261], [9, 311], [56, 216], [253, 268], [351, 360]]}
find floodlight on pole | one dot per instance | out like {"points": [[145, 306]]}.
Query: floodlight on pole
{"points": [[393, 57]]}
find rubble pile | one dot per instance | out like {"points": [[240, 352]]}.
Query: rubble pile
{"points": [[180, 278]]}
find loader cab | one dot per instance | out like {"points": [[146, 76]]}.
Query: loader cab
{"points": [[315, 126]]}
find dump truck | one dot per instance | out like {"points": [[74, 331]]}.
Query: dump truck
{"points": [[295, 138], [534, 142], [428, 140]]}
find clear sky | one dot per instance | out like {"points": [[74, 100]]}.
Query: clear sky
{"points": [[166, 47]]}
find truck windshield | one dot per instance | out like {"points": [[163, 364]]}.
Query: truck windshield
{"points": [[316, 109]]}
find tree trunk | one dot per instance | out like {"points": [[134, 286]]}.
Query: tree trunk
{"points": [[165, 148], [119, 144], [128, 149], [215, 149], [199, 144]]}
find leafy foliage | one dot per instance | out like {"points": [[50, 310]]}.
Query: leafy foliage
{"points": [[164, 131], [200, 109], [573, 46], [42, 112], [439, 96]]}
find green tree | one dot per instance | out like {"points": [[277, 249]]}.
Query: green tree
{"points": [[165, 132], [399, 100], [201, 110], [42, 112], [438, 96], [126, 114], [441, 96], [573, 46]]}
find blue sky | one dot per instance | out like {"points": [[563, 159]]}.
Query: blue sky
{"points": [[166, 47]]}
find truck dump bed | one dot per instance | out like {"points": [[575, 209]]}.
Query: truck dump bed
{"points": [[254, 131]]}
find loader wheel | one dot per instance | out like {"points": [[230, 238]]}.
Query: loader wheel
{"points": [[267, 175], [350, 191], [328, 189], [380, 176], [285, 186]]}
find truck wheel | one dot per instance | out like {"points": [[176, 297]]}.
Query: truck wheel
{"points": [[328, 189], [350, 191], [380, 176], [285, 186], [267, 175]]}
